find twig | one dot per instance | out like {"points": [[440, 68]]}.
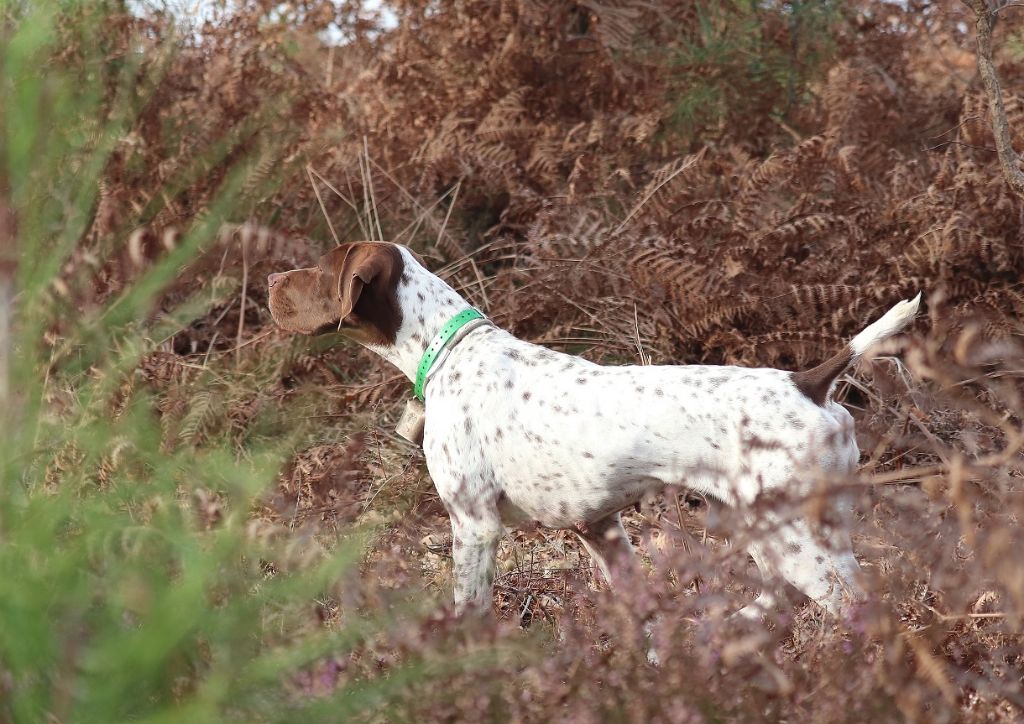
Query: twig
{"points": [[241, 301], [448, 215], [962, 616], [480, 283], [8, 267], [413, 200], [209, 348], [937, 146], [914, 421], [352, 193], [368, 190], [995, 11], [990, 375], [647, 197], [424, 213], [386, 480], [6, 343], [685, 537], [250, 341], [328, 76], [323, 209], [328, 184], [954, 128], [456, 265], [905, 475], [645, 359]]}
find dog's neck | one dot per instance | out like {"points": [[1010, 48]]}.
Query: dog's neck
{"points": [[427, 302]]}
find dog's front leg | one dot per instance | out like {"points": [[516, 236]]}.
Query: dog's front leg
{"points": [[475, 536]]}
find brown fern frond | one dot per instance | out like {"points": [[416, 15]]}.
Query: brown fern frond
{"points": [[672, 175], [615, 21]]}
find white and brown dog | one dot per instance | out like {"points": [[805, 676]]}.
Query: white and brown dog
{"points": [[517, 432]]}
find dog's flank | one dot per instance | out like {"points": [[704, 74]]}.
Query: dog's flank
{"points": [[519, 432]]}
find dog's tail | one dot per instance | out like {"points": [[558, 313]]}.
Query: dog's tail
{"points": [[817, 383]]}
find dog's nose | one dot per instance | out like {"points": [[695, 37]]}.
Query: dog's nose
{"points": [[273, 279]]}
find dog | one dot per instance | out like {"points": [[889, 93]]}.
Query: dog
{"points": [[515, 432]]}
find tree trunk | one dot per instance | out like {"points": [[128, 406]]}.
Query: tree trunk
{"points": [[1008, 158]]}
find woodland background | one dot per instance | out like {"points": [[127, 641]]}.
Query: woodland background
{"points": [[204, 517]]}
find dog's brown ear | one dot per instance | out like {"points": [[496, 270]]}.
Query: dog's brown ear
{"points": [[366, 276]]}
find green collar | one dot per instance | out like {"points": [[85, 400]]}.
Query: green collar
{"points": [[439, 343]]}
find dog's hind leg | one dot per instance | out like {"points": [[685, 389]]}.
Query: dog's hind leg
{"points": [[766, 601], [608, 545]]}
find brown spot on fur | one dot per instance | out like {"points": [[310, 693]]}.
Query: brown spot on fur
{"points": [[816, 382]]}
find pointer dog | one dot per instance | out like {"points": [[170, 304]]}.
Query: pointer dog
{"points": [[518, 432]]}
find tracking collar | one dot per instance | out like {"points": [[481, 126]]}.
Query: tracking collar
{"points": [[449, 335]]}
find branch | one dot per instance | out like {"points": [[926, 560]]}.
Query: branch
{"points": [[1008, 158], [8, 265]]}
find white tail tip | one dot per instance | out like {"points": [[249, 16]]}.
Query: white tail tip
{"points": [[889, 324]]}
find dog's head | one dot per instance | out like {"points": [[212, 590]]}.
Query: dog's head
{"points": [[353, 289]]}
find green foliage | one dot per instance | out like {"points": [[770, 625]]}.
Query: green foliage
{"points": [[744, 61], [122, 596]]}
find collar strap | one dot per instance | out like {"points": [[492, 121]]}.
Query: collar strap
{"points": [[440, 342]]}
